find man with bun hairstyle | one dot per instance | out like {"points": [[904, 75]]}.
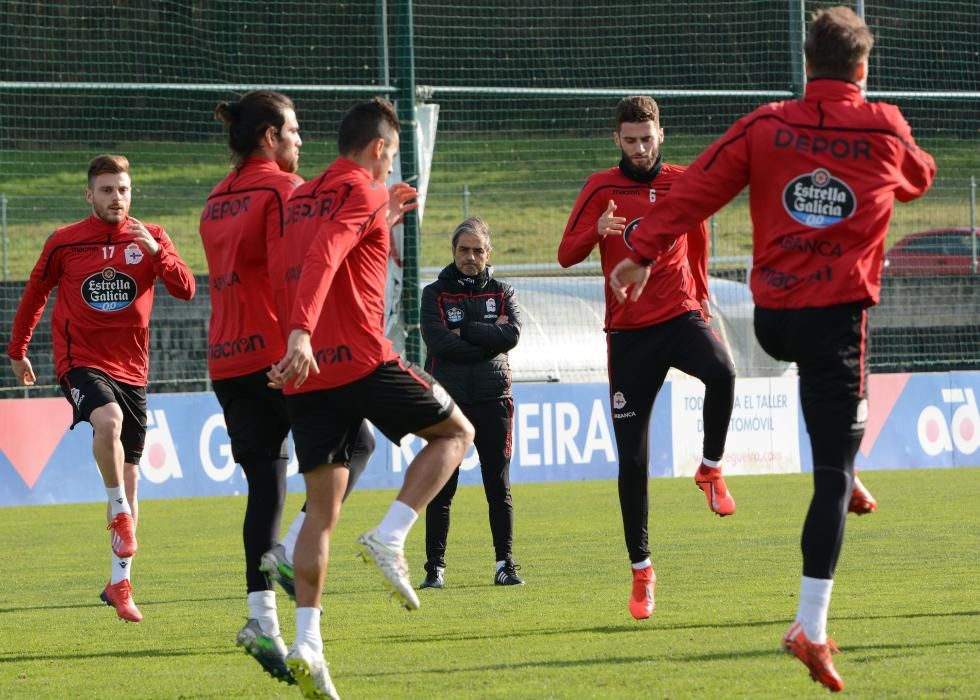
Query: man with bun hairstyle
{"points": [[824, 173], [241, 228], [105, 268]]}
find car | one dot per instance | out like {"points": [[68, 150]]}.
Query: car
{"points": [[942, 251]]}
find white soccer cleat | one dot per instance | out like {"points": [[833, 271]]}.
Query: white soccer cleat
{"points": [[311, 674], [393, 567]]}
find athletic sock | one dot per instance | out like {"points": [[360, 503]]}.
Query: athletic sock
{"points": [[713, 463], [121, 569], [262, 607], [814, 605], [393, 530], [117, 501], [501, 564], [292, 534], [308, 628], [641, 564]]}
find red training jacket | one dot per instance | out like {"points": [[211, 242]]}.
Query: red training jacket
{"points": [[241, 228], [102, 310], [335, 260], [679, 281], [823, 173]]}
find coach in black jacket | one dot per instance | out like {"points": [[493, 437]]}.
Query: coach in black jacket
{"points": [[470, 322]]}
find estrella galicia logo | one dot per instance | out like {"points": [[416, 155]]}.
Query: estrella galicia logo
{"points": [[109, 290], [819, 199], [454, 314]]}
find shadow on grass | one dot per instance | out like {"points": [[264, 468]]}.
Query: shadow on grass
{"points": [[646, 626], [158, 653], [147, 602]]}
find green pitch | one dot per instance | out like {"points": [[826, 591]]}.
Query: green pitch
{"points": [[905, 612]]}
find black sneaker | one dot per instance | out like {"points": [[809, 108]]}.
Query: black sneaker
{"points": [[433, 579], [507, 575]]}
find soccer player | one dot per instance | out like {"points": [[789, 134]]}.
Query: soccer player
{"points": [[339, 369], [667, 327], [240, 228], [105, 267], [469, 322], [823, 173]]}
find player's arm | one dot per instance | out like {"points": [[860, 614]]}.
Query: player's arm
{"points": [[44, 277], [441, 341], [916, 168], [167, 264], [582, 229], [503, 334]]}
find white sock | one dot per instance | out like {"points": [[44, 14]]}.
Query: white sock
{"points": [[121, 569], [308, 628], [292, 534], [642, 564], [713, 463], [393, 530], [117, 501], [814, 604], [500, 565], [262, 607]]}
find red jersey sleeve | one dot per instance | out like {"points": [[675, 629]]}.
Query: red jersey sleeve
{"points": [[335, 236], [720, 173], [170, 268], [915, 169], [581, 233], [44, 277]]}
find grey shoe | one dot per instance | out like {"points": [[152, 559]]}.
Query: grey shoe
{"points": [[269, 651], [393, 567], [507, 575], [279, 569], [311, 673], [434, 578]]}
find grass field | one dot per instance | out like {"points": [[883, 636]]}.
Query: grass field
{"points": [[905, 612], [524, 186]]}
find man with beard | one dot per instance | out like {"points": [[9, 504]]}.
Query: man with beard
{"points": [[241, 230], [824, 171], [105, 268], [667, 327]]}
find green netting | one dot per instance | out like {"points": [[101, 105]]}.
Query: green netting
{"points": [[526, 93]]}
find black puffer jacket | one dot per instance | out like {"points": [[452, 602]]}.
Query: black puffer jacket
{"points": [[473, 365]]}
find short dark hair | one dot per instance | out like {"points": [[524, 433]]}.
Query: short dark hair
{"points": [[250, 117], [836, 42], [107, 164], [474, 225], [366, 122], [637, 108]]}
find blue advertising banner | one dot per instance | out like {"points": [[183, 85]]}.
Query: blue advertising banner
{"points": [[562, 432]]}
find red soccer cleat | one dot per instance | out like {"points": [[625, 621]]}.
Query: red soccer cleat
{"points": [[862, 502], [641, 599], [710, 480], [123, 535], [815, 657], [120, 596]]}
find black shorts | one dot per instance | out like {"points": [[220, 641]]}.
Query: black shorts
{"points": [[88, 389], [255, 416], [398, 397], [830, 347]]}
